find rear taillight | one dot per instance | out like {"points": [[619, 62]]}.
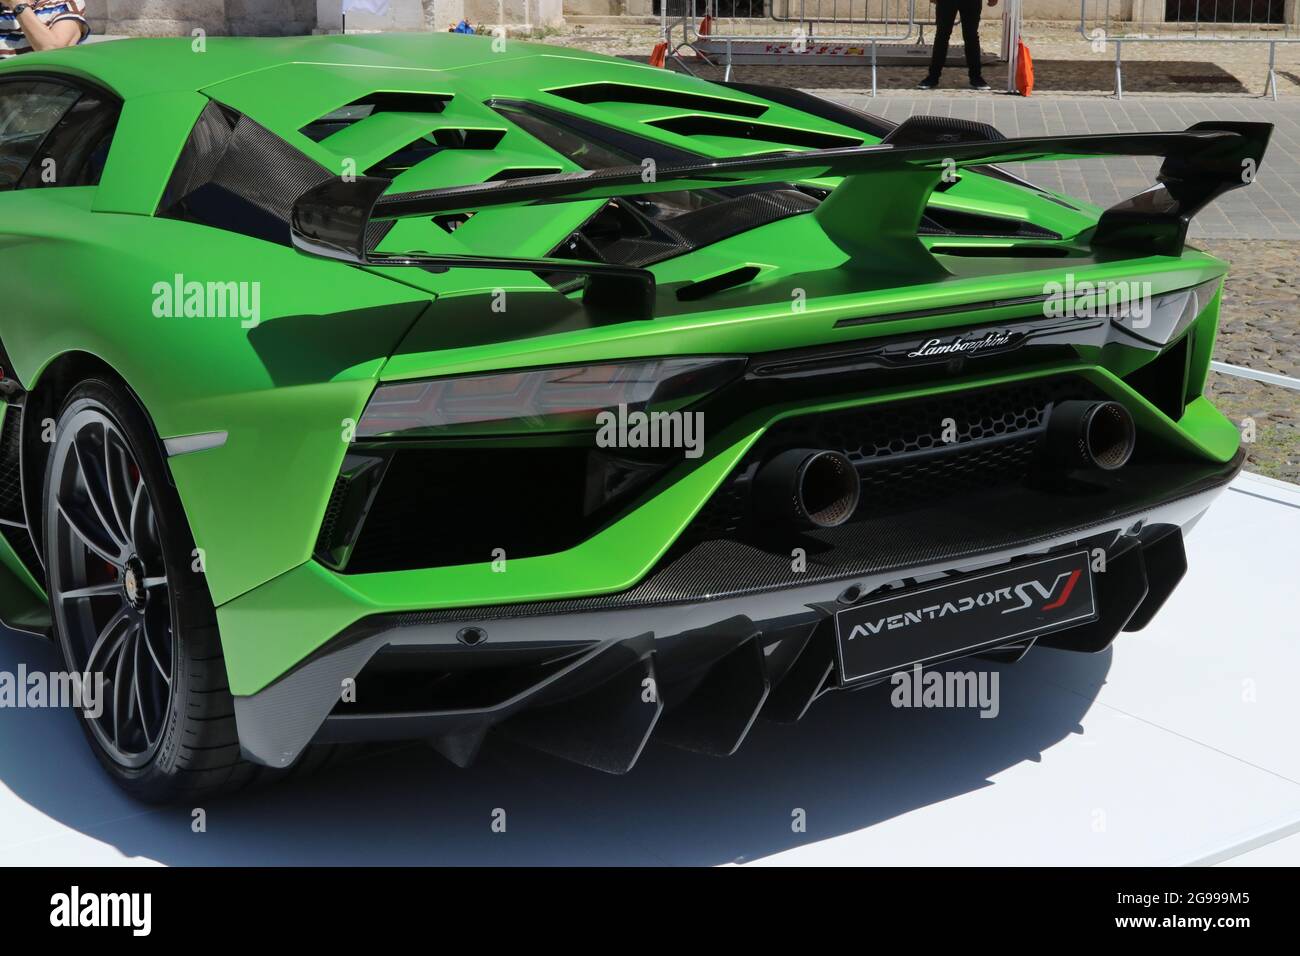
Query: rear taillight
{"points": [[565, 398]]}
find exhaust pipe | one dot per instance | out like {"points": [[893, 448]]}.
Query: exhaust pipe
{"points": [[807, 488], [1090, 435]]}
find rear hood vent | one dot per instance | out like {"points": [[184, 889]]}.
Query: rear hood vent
{"points": [[633, 233], [597, 93], [760, 132]]}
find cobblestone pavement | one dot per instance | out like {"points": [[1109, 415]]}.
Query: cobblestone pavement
{"points": [[1260, 324], [1259, 328]]}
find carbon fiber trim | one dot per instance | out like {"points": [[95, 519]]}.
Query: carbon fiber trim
{"points": [[14, 528], [243, 159], [265, 170], [202, 154], [11, 487], [926, 130]]}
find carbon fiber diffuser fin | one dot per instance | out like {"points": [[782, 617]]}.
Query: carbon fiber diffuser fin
{"points": [[1121, 590], [461, 748], [712, 711], [807, 678], [605, 728], [1166, 563]]}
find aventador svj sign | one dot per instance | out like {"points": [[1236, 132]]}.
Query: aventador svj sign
{"points": [[982, 610]]}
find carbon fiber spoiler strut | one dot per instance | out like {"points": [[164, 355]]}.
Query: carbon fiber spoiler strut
{"points": [[1204, 161]]}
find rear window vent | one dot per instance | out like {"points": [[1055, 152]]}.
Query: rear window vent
{"points": [[468, 138], [649, 96], [740, 129], [522, 173], [707, 287], [1002, 252], [240, 177], [949, 222], [450, 222], [372, 105], [421, 149]]}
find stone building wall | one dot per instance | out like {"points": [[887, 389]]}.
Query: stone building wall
{"points": [[217, 17], [263, 17], [258, 17], [442, 14]]}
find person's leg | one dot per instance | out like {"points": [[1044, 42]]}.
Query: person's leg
{"points": [[970, 38], [945, 14]]}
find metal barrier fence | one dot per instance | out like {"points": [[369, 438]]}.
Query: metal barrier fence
{"points": [[807, 31], [1120, 22], [799, 31], [1269, 378], [849, 31], [824, 20]]}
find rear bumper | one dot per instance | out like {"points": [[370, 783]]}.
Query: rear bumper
{"points": [[592, 679]]}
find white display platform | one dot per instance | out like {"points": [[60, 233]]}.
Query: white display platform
{"points": [[1177, 746]]}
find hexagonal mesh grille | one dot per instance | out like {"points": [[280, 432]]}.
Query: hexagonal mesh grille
{"points": [[895, 429], [908, 453]]}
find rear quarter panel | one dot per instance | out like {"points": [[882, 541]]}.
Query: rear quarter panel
{"points": [[283, 388]]}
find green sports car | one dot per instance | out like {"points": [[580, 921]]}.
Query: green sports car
{"points": [[416, 387]]}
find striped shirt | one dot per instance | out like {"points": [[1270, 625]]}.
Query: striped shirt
{"points": [[12, 38]]}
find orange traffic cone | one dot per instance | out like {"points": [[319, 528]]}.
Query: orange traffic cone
{"points": [[1024, 70]]}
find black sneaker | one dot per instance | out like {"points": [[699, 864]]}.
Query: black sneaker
{"points": [[980, 85], [927, 84]]}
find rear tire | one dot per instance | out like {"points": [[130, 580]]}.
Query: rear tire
{"points": [[127, 604]]}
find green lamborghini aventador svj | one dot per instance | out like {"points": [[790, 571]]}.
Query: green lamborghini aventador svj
{"points": [[408, 388]]}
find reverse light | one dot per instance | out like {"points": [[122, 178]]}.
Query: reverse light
{"points": [[1167, 316], [564, 398]]}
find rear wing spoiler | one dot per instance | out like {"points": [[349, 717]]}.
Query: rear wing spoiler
{"points": [[884, 192]]}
